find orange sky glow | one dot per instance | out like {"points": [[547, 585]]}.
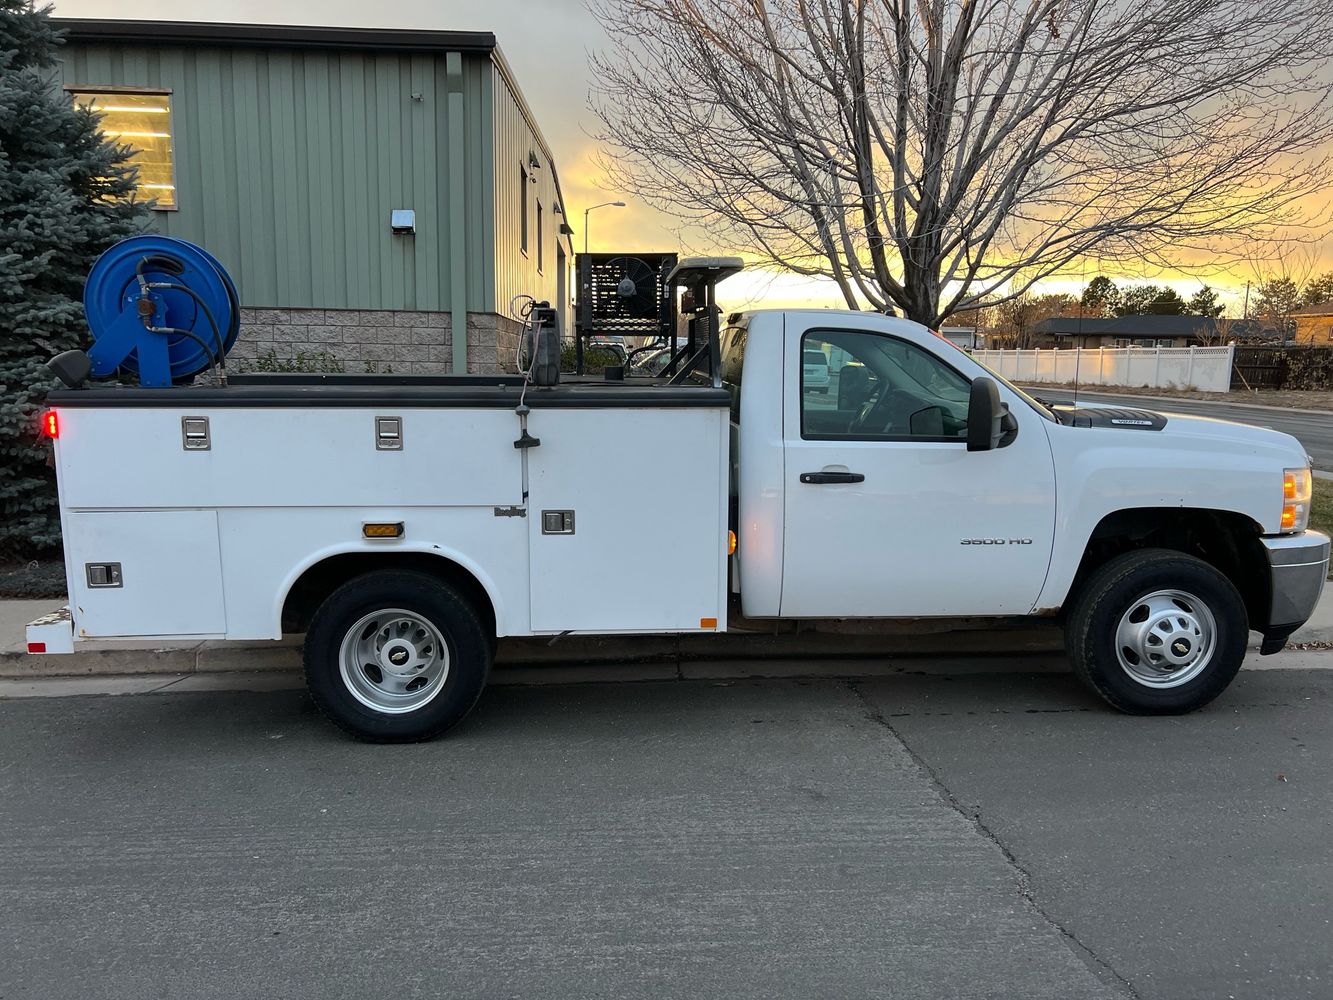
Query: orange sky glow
{"points": [[545, 42]]}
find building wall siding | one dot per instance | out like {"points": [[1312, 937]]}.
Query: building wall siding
{"points": [[1317, 330], [515, 141], [288, 163]]}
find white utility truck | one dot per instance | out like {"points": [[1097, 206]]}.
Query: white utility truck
{"points": [[404, 523]]}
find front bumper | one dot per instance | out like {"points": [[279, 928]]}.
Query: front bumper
{"points": [[1298, 567]]}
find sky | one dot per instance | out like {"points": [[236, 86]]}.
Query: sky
{"points": [[546, 43]]}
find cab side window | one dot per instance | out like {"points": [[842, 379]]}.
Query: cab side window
{"points": [[867, 386]]}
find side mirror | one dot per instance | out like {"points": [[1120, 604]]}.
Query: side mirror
{"points": [[986, 416]]}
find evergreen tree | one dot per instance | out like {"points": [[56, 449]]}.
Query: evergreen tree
{"points": [[1277, 299], [66, 194], [1101, 297], [1204, 303], [1150, 300], [1319, 290]]}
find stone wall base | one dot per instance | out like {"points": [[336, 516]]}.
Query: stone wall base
{"points": [[362, 341]]}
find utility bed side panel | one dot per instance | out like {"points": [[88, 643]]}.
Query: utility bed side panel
{"points": [[647, 492], [124, 457], [265, 549], [167, 577]]}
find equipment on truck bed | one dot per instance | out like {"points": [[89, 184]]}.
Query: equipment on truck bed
{"points": [[161, 308], [698, 277], [624, 295]]}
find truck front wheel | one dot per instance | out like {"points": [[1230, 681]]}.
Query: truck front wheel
{"points": [[396, 656], [1157, 632]]}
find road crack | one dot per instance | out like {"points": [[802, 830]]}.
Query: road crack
{"points": [[1100, 966]]}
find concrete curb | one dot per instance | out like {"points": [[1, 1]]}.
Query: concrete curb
{"points": [[914, 647], [109, 659], [711, 671]]}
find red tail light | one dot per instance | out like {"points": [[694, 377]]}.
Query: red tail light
{"points": [[51, 424]]}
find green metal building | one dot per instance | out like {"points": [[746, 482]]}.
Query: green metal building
{"points": [[370, 190]]}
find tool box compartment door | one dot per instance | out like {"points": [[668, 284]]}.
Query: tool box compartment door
{"points": [[145, 573]]}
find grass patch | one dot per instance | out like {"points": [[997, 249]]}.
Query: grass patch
{"points": [[1321, 509]]}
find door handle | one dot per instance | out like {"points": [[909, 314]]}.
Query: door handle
{"points": [[817, 478]]}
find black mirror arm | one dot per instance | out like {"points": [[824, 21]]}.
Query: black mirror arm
{"points": [[1008, 427]]}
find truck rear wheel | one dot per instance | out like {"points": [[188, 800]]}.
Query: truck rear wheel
{"points": [[396, 656], [1157, 632]]}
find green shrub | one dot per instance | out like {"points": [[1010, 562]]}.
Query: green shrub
{"points": [[304, 362], [595, 359]]}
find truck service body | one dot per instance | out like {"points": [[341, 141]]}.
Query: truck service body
{"points": [[406, 523]]}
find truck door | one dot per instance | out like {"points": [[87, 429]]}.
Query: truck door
{"points": [[887, 513]]}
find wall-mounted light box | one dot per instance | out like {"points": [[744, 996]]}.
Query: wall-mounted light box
{"points": [[403, 221]]}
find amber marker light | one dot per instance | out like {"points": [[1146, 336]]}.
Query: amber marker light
{"points": [[731, 543], [1297, 489], [388, 529]]}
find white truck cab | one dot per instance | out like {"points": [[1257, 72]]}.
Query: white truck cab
{"points": [[405, 523]]}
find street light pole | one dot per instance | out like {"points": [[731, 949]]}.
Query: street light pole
{"points": [[586, 211]]}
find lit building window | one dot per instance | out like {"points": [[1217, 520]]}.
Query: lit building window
{"points": [[142, 121]]}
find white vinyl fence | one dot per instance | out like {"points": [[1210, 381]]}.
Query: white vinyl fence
{"points": [[1205, 368]]}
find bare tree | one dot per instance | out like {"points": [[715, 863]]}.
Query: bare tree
{"points": [[1280, 281], [1016, 318], [936, 153]]}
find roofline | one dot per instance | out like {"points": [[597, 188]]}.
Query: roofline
{"points": [[110, 30]]}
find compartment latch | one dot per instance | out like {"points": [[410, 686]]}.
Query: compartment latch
{"points": [[195, 435]]}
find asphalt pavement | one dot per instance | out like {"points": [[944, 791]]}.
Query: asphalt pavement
{"points": [[1312, 429], [959, 837]]}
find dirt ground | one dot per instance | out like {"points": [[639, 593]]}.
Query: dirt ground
{"points": [[32, 580]]}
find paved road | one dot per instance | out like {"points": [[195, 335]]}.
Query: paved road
{"points": [[1314, 430], [910, 837]]}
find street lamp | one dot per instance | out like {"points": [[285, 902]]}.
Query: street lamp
{"points": [[616, 204]]}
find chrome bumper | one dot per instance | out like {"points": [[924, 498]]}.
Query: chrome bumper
{"points": [[1298, 567]]}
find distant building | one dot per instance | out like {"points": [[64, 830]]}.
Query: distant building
{"points": [[375, 193], [1314, 324], [965, 337], [1126, 331]]}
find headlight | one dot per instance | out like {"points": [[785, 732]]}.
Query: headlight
{"points": [[1297, 488]]}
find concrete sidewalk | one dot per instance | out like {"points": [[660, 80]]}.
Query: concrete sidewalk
{"points": [[724, 655]]}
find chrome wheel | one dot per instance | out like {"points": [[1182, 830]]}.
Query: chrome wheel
{"points": [[393, 661], [1166, 638]]}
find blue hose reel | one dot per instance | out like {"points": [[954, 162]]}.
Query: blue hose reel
{"points": [[160, 308]]}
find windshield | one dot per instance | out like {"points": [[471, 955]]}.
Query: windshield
{"points": [[1040, 407], [1036, 404]]}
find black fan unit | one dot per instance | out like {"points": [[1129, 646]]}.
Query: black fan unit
{"points": [[626, 295]]}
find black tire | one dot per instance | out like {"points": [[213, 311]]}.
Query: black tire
{"points": [[1120, 588], [468, 641]]}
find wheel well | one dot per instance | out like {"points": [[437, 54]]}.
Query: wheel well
{"points": [[314, 586], [1224, 539]]}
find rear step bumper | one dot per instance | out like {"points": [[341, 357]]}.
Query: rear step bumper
{"points": [[53, 633]]}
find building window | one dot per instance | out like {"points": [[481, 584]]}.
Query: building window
{"points": [[539, 237], [523, 210], [142, 121]]}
